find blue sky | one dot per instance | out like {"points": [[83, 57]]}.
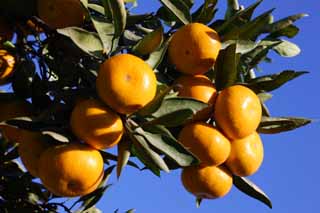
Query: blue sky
{"points": [[290, 171]]}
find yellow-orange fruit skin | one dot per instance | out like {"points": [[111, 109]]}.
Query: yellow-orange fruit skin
{"points": [[237, 111], [126, 83], [205, 142], [7, 63], [207, 182], [200, 88], [96, 124], [194, 48], [31, 146], [61, 13], [71, 170], [246, 155]]}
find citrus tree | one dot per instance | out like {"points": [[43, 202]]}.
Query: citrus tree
{"points": [[174, 88]]}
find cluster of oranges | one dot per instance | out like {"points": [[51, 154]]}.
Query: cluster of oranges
{"points": [[125, 83], [229, 147]]}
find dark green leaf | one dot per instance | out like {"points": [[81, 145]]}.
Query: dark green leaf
{"points": [[149, 43], [151, 154], [232, 9], [95, 197], [105, 31], [170, 147], [243, 46], [170, 105], [119, 16], [274, 125], [87, 41], [198, 202], [290, 32], [226, 67], [179, 9], [206, 12], [284, 23], [172, 119], [250, 30], [238, 19], [249, 188], [154, 105], [109, 156], [123, 155], [56, 136], [157, 56], [268, 83]]}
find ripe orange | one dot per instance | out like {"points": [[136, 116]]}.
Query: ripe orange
{"points": [[207, 182], [96, 124], [237, 111], [71, 170], [7, 63], [246, 155], [200, 88], [11, 109], [31, 146], [126, 83], [61, 13], [205, 142], [6, 32], [194, 48]]}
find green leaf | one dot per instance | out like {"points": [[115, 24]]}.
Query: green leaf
{"points": [[249, 188], [250, 30], [88, 42], [119, 16], [92, 198], [226, 67], [284, 23], [243, 46], [238, 19], [290, 32], [154, 156], [105, 31], [274, 125], [264, 97], [198, 201], [287, 49], [170, 147], [149, 43], [157, 56], [56, 136], [268, 83], [154, 105], [206, 12], [232, 9], [123, 155], [172, 119], [179, 9], [170, 105], [97, 8], [109, 156]]}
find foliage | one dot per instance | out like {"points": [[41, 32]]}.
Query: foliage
{"points": [[57, 67]]}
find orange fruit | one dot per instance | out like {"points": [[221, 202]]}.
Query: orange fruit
{"points": [[71, 170], [12, 109], [7, 63], [205, 142], [126, 83], [31, 146], [6, 32], [200, 88], [194, 48], [207, 182], [237, 111], [96, 124], [246, 155], [61, 13]]}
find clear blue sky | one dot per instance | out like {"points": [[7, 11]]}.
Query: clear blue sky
{"points": [[289, 174]]}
